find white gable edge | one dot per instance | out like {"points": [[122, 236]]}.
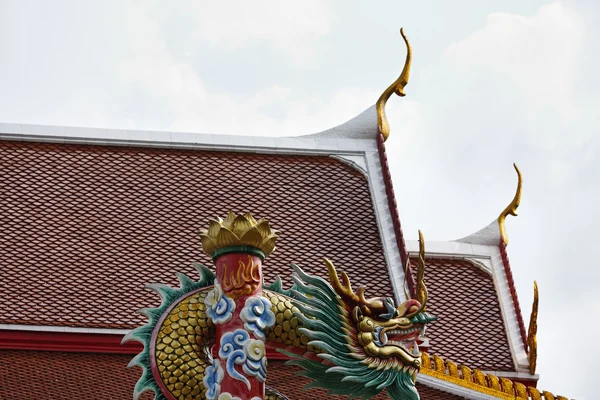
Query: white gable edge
{"points": [[352, 137], [62, 329]]}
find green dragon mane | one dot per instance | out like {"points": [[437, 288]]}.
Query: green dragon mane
{"points": [[325, 317]]}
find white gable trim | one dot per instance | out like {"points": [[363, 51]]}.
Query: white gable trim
{"points": [[62, 329], [386, 224], [509, 312]]}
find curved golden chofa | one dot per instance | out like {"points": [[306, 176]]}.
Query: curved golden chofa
{"points": [[532, 333], [511, 209], [421, 289], [238, 230], [396, 87]]}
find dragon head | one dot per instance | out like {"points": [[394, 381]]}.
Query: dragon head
{"points": [[382, 334], [393, 339], [368, 344]]}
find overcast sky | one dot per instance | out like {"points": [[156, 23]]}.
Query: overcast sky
{"points": [[493, 83]]}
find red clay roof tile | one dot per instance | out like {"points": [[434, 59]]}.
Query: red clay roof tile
{"points": [[83, 228], [470, 329]]}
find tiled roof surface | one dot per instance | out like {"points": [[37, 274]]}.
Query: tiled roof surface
{"points": [[41, 375], [32, 375], [83, 228], [470, 329], [282, 378]]}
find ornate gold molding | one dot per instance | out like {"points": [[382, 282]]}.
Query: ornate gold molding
{"points": [[396, 87], [238, 230], [511, 209], [532, 332], [461, 375]]}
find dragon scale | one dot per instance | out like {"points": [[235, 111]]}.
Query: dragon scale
{"points": [[186, 333]]}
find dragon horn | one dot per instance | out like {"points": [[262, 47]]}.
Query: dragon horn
{"points": [[344, 290], [422, 293]]}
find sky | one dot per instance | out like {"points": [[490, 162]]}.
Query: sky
{"points": [[492, 83]]}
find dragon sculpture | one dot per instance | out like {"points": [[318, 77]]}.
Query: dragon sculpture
{"points": [[344, 342]]}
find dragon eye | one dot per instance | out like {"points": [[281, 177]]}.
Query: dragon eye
{"points": [[392, 311]]}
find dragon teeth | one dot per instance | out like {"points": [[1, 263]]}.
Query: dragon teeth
{"points": [[403, 331], [416, 350]]}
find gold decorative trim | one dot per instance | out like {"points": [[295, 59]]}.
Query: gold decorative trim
{"points": [[532, 332], [238, 230], [511, 209], [396, 87], [461, 375]]}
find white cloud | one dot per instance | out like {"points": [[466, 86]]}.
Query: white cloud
{"points": [[152, 68], [289, 27], [534, 60]]}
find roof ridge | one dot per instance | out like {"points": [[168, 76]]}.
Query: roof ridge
{"points": [[475, 379], [362, 126], [488, 236]]}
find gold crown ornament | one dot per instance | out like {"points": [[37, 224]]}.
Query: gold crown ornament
{"points": [[238, 233]]}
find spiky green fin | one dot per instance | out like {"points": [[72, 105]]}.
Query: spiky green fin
{"points": [[143, 334], [277, 287], [322, 314]]}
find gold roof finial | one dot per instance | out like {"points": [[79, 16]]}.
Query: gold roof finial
{"points": [[396, 87], [238, 231], [532, 333], [511, 209]]}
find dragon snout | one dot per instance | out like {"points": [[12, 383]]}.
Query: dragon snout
{"points": [[408, 307]]}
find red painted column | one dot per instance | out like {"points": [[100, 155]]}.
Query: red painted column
{"points": [[238, 245], [240, 278]]}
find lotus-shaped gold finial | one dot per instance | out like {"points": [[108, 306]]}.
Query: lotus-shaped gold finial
{"points": [[237, 233]]}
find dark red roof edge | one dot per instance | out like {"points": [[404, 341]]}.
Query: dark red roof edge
{"points": [[513, 292], [78, 342], [389, 190], [67, 342]]}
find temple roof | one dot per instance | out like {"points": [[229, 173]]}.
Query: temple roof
{"points": [[91, 215], [480, 278]]}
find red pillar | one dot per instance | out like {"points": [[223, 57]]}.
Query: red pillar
{"points": [[236, 306], [240, 277]]}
